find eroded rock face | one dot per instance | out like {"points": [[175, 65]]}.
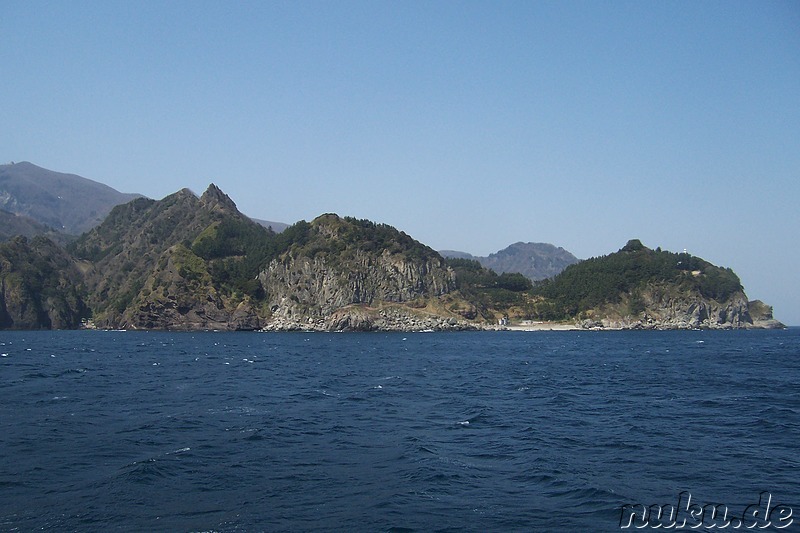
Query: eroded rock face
{"points": [[40, 286], [761, 314], [179, 295], [668, 309], [319, 286], [391, 317]]}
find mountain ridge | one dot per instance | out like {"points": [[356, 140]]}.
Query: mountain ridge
{"points": [[193, 262], [65, 202], [148, 243], [534, 260]]}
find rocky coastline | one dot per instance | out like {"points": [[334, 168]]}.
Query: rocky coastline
{"points": [[365, 318]]}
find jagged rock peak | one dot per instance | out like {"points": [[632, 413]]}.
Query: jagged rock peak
{"points": [[326, 218], [181, 194], [214, 197]]}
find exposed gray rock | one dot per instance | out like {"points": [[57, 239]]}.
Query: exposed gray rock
{"points": [[364, 318], [761, 314], [317, 287], [668, 309]]}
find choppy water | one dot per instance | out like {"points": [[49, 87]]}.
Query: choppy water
{"points": [[490, 431]]}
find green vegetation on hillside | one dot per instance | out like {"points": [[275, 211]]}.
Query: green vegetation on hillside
{"points": [[200, 256], [39, 286], [238, 250], [488, 290], [340, 238], [604, 280]]}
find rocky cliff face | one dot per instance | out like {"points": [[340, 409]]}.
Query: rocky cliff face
{"points": [[197, 263], [40, 286], [179, 295], [761, 314], [339, 266], [134, 246], [665, 307], [318, 287]]}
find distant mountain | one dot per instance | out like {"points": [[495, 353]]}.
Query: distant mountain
{"points": [[196, 263], [277, 227], [65, 202], [454, 254], [534, 260], [12, 225]]}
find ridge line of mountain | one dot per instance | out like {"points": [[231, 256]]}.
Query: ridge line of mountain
{"points": [[189, 262]]}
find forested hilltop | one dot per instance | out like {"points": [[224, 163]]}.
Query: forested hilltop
{"points": [[644, 288], [196, 263]]}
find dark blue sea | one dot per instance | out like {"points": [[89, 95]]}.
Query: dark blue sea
{"points": [[483, 431]]}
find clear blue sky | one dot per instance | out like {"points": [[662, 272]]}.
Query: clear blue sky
{"points": [[468, 125]]}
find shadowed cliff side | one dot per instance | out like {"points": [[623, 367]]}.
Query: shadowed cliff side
{"points": [[40, 286]]}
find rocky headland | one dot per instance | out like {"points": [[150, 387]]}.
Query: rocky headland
{"points": [[196, 263]]}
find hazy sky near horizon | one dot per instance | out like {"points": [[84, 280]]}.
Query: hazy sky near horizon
{"points": [[468, 125]]}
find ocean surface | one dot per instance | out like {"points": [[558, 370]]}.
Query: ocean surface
{"points": [[483, 431]]}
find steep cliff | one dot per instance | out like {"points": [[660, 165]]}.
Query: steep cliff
{"points": [[343, 261], [135, 277], [665, 306], [179, 294], [40, 286]]}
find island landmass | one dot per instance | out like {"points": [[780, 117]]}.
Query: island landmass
{"points": [[190, 262]]}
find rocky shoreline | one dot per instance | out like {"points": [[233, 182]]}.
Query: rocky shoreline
{"points": [[394, 320], [363, 318], [438, 324]]}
